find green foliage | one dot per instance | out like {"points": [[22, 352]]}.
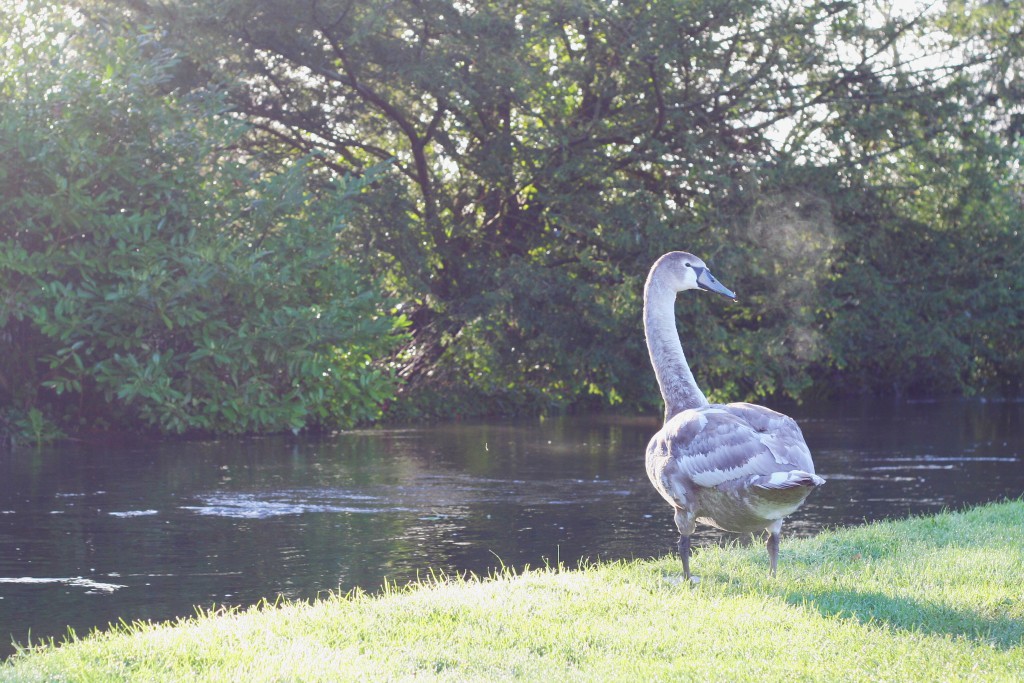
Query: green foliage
{"points": [[155, 274], [546, 153], [861, 200], [32, 426]]}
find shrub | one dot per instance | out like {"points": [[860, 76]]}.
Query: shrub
{"points": [[148, 262]]}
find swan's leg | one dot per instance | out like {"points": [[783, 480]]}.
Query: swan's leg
{"points": [[684, 554], [773, 544], [685, 523]]}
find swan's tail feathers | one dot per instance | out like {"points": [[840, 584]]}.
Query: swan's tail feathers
{"points": [[780, 481]]}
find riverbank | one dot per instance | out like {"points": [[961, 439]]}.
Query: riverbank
{"points": [[930, 598]]}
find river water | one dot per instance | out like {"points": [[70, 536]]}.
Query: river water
{"points": [[93, 534]]}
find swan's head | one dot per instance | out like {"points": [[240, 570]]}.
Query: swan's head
{"points": [[683, 270]]}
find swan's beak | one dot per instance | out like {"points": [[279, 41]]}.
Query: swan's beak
{"points": [[705, 280]]}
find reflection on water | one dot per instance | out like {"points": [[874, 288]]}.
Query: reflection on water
{"points": [[92, 534]]}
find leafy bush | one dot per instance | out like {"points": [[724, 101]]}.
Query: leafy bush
{"points": [[146, 261]]}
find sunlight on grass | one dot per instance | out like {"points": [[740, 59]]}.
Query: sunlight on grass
{"points": [[935, 598]]}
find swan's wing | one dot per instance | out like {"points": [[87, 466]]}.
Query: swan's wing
{"points": [[780, 433], [716, 445]]}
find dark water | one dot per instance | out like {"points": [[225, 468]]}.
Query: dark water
{"points": [[91, 534]]}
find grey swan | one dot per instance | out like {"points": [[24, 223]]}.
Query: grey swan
{"points": [[738, 467]]}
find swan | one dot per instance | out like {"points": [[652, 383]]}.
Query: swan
{"points": [[738, 467]]}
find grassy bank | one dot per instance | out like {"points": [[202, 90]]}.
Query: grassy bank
{"points": [[927, 599]]}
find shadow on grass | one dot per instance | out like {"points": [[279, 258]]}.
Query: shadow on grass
{"points": [[912, 615]]}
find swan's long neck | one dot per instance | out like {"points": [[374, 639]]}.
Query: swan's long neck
{"points": [[678, 388]]}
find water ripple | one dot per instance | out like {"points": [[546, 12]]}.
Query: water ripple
{"points": [[282, 503], [78, 581]]}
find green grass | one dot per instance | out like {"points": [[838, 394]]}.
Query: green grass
{"points": [[927, 599]]}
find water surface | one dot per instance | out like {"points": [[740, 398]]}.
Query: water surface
{"points": [[93, 534]]}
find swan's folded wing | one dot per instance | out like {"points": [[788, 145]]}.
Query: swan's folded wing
{"points": [[780, 433], [712, 446]]}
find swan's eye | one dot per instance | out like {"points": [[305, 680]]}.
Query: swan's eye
{"points": [[688, 264]]}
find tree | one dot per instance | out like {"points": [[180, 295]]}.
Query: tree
{"points": [[544, 153], [925, 283]]}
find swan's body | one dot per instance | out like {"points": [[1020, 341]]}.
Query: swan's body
{"points": [[739, 467]]}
